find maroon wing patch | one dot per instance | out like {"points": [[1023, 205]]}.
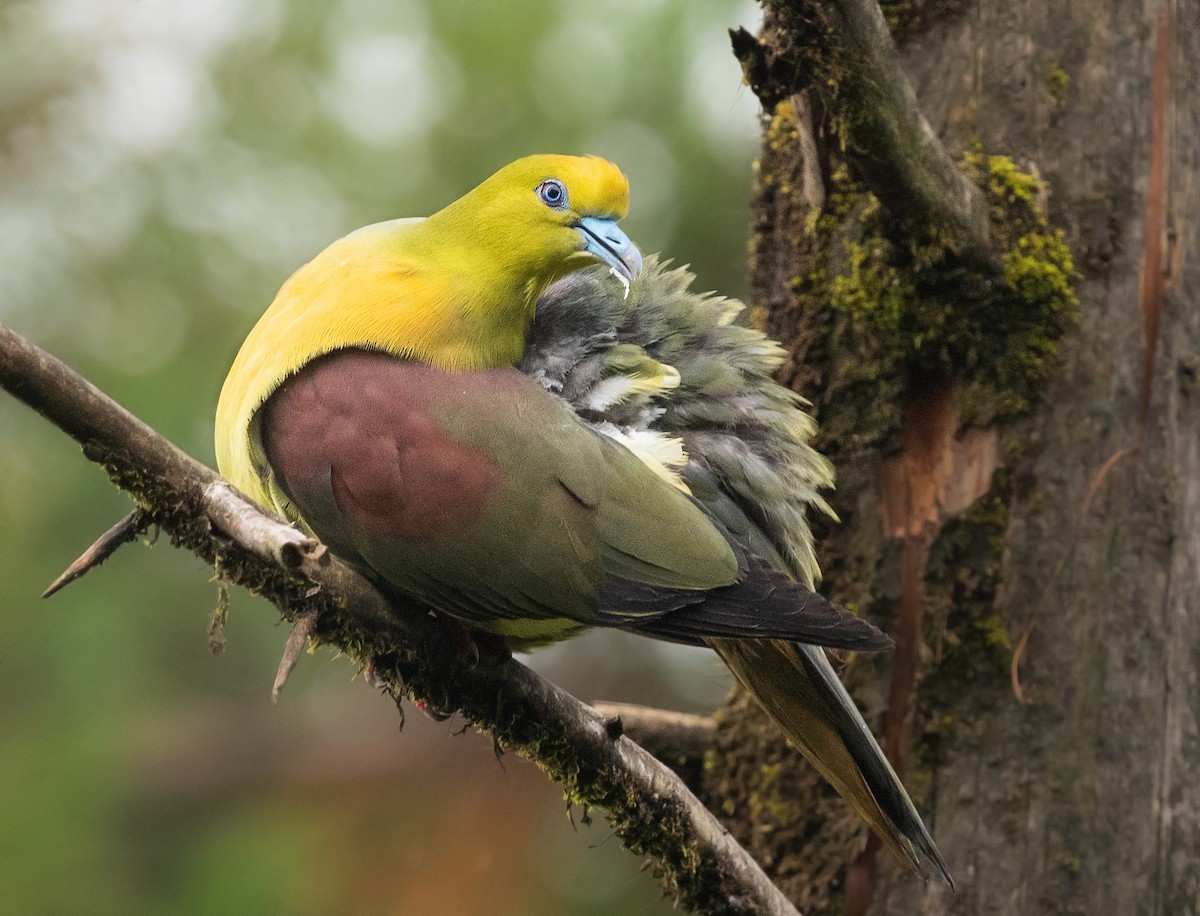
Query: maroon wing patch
{"points": [[364, 425]]}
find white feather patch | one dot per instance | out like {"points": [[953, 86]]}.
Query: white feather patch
{"points": [[663, 454], [617, 388]]}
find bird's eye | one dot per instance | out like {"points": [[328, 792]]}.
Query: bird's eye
{"points": [[553, 193]]}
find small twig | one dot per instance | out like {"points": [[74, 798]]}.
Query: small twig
{"points": [[1098, 478], [297, 640], [669, 736], [124, 531], [1014, 668]]}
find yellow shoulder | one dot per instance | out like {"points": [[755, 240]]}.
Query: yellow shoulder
{"points": [[336, 300]]}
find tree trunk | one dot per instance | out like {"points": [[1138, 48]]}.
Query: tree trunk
{"points": [[1032, 541]]}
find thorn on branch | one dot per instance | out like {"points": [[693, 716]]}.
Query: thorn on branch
{"points": [[302, 627], [104, 547], [669, 736]]}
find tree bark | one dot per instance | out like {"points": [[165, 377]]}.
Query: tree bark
{"points": [[1037, 563]]}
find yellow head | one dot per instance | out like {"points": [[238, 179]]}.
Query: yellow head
{"points": [[456, 290], [538, 219]]}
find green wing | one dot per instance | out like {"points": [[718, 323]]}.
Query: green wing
{"points": [[487, 497]]}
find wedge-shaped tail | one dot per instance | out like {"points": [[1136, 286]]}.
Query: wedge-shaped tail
{"points": [[798, 688]]}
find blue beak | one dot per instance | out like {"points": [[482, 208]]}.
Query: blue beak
{"points": [[603, 239]]}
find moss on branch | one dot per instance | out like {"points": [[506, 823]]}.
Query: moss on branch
{"points": [[898, 313]]}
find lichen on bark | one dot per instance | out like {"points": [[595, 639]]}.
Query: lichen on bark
{"points": [[896, 311]]}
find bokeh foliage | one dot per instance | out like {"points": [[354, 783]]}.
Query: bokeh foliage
{"points": [[163, 167]]}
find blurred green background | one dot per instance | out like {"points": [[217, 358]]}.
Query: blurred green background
{"points": [[163, 167]]}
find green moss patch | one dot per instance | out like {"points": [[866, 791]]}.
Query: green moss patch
{"points": [[901, 313]]}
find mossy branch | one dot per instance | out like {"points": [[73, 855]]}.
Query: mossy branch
{"points": [[842, 50], [647, 805]]}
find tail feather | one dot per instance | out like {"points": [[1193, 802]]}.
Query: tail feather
{"points": [[798, 688]]}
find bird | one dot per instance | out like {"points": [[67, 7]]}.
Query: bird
{"points": [[504, 412]]}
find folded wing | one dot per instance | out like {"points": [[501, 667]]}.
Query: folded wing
{"points": [[487, 497]]}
